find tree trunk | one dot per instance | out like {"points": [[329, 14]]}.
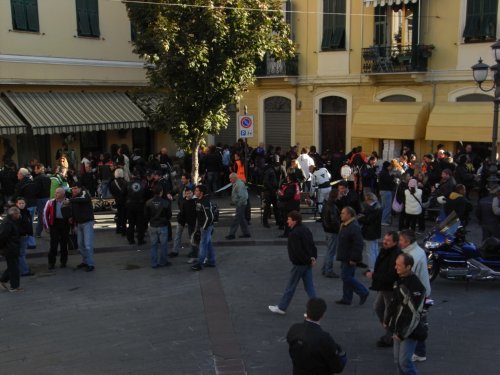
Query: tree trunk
{"points": [[195, 166]]}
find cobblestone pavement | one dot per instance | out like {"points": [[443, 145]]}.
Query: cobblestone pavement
{"points": [[126, 318]]}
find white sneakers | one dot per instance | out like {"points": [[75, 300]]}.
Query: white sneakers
{"points": [[276, 310], [416, 358]]}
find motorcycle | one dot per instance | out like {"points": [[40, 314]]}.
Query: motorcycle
{"points": [[452, 257]]}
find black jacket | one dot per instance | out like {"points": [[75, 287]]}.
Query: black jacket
{"points": [[9, 238], [301, 246], [42, 181], [385, 275], [136, 191], [25, 224], [313, 351], [82, 208], [204, 215], [27, 189], [350, 243], [386, 181], [371, 222], [351, 199], [158, 212], [118, 188], [187, 213]]}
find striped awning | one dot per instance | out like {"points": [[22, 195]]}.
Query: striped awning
{"points": [[67, 112], [387, 2], [9, 122]]}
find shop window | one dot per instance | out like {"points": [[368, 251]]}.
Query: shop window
{"points": [[480, 21], [25, 15], [334, 22], [87, 15]]}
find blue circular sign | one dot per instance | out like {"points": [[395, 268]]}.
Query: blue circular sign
{"points": [[246, 122]]}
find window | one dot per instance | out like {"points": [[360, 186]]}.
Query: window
{"points": [[481, 21], [333, 25], [25, 15], [87, 17]]}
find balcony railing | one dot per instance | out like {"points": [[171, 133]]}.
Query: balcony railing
{"points": [[270, 67], [396, 59]]}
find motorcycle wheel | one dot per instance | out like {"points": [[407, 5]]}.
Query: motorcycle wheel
{"points": [[432, 267]]}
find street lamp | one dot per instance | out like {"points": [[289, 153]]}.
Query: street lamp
{"points": [[480, 73]]}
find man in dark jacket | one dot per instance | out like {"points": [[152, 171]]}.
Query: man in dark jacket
{"points": [[205, 225], [302, 253], [10, 242], [136, 193], [404, 314], [27, 189], [386, 185], [158, 212], [350, 253], [42, 181], [270, 189], [313, 351], [371, 221], [348, 197], [383, 278], [186, 218], [83, 217]]}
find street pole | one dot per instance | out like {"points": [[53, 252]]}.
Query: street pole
{"points": [[493, 179]]}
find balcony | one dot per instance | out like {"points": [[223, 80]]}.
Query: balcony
{"points": [[396, 59], [270, 67]]}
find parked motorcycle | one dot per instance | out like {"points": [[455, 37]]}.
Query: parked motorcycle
{"points": [[452, 257]]}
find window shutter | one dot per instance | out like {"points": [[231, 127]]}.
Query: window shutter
{"points": [[19, 21], [88, 17], [93, 12], [32, 15]]}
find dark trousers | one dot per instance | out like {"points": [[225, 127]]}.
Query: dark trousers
{"points": [[12, 272], [270, 199], [121, 219], [411, 221], [59, 234], [135, 217]]}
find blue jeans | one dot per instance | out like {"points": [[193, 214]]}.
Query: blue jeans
{"points": [[372, 251], [403, 350], [31, 239], [386, 202], [23, 265], [40, 205], [331, 251], [85, 236], [297, 273], [350, 284], [158, 236], [206, 248]]}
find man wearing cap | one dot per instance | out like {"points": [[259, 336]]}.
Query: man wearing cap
{"points": [[83, 217]]}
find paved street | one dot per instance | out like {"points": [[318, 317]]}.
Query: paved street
{"points": [[126, 318]]}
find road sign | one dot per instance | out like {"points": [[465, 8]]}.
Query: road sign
{"points": [[246, 126]]}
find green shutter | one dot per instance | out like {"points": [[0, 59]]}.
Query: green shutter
{"points": [[19, 21], [93, 11], [87, 18], [32, 15]]}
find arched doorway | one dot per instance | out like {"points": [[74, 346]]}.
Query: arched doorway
{"points": [[278, 122], [332, 123]]}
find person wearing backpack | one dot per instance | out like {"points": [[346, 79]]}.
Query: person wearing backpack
{"points": [[331, 226]]}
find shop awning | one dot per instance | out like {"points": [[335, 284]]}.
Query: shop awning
{"points": [[390, 121], [9, 122], [470, 122], [387, 2], [67, 112]]}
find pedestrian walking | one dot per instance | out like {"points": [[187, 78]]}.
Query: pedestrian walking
{"points": [[331, 225], [25, 230], [42, 181], [239, 196], [157, 212], [313, 350], [56, 215], [302, 254], [404, 314], [9, 248], [83, 218], [349, 253], [205, 226], [136, 192], [186, 218], [371, 227]]}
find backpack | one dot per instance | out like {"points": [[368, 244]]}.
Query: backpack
{"points": [[214, 210]]}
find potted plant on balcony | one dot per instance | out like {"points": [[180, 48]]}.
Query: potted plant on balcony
{"points": [[426, 50]]}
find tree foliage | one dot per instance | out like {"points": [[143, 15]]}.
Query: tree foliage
{"points": [[202, 54]]}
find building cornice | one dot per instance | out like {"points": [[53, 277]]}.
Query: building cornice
{"points": [[13, 82], [70, 61]]}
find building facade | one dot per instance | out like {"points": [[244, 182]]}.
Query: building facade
{"points": [[380, 74]]}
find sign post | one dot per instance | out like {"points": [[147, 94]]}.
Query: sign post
{"points": [[246, 126]]}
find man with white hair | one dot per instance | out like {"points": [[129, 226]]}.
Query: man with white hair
{"points": [[27, 189], [239, 196]]}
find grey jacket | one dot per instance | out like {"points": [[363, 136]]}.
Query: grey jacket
{"points": [[239, 195]]}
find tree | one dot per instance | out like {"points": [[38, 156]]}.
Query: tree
{"points": [[202, 54]]}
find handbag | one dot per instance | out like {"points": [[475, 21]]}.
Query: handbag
{"points": [[396, 206]]}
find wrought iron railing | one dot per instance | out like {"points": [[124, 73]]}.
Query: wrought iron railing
{"points": [[271, 67], [396, 59]]}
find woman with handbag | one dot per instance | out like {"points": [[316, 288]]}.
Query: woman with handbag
{"points": [[413, 204]]}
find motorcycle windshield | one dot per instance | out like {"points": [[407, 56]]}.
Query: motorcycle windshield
{"points": [[449, 226]]}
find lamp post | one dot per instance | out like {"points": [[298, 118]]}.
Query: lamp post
{"points": [[480, 73]]}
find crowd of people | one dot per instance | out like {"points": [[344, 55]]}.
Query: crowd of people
{"points": [[354, 194]]}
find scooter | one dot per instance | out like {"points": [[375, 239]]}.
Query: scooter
{"points": [[452, 257]]}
